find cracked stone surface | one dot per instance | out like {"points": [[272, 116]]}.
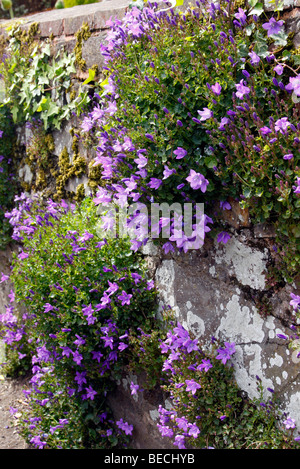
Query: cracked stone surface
{"points": [[213, 294]]}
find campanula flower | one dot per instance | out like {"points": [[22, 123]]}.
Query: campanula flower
{"points": [[273, 27], [242, 90], [205, 114], [254, 58], [197, 181], [216, 88], [180, 153]]}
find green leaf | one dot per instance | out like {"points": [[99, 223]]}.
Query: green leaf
{"points": [[296, 59], [210, 162], [91, 77], [257, 10], [280, 39], [14, 112], [42, 106]]}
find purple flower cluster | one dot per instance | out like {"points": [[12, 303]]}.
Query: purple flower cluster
{"points": [[130, 159], [181, 350], [115, 148], [77, 328]]}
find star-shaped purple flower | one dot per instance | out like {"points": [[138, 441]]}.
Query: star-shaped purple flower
{"points": [[273, 27]]}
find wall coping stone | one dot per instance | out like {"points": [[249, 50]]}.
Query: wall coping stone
{"points": [[67, 21]]}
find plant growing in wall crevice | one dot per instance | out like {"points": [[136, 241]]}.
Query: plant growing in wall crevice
{"points": [[82, 294], [39, 80], [185, 111]]}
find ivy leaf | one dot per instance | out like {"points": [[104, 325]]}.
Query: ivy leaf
{"points": [[14, 112], [280, 39], [257, 10], [261, 47], [42, 106]]}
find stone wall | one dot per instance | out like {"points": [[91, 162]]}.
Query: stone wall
{"points": [[216, 291]]}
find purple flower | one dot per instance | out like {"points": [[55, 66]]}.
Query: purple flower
{"points": [[205, 114], [282, 124], [289, 423], [197, 181], [36, 441], [254, 58], [225, 205], [265, 130], [216, 88], [113, 287], [125, 298], [295, 301], [108, 341], [294, 85], [288, 156], [105, 300], [102, 197], [224, 354], [224, 121], [282, 336], [134, 388], [278, 69], [87, 124], [88, 311], [80, 377], [48, 307], [66, 351], [192, 385], [77, 357], [182, 423], [4, 278], [155, 183], [97, 356], [23, 255], [141, 161], [242, 90], [205, 365], [180, 153], [168, 172], [223, 237], [165, 430], [273, 26], [297, 188], [193, 430], [179, 441], [79, 341], [90, 393], [125, 427], [168, 247], [11, 296], [241, 16], [85, 237]]}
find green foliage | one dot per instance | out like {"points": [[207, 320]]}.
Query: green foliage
{"points": [[165, 76], [36, 82], [221, 415], [144, 355], [70, 267], [73, 3]]}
